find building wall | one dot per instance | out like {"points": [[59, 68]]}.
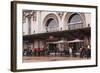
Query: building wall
{"points": [[88, 19], [25, 27], [39, 26]]}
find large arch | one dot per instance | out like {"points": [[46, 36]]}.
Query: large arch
{"points": [[69, 15], [51, 18], [51, 23]]}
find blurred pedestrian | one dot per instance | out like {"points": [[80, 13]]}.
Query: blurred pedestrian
{"points": [[70, 51]]}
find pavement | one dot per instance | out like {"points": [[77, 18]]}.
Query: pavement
{"points": [[50, 58]]}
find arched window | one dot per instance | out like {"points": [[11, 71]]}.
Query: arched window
{"points": [[51, 25], [75, 22]]}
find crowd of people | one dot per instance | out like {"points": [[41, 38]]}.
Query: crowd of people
{"points": [[71, 52]]}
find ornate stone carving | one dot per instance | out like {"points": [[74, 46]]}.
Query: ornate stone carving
{"points": [[60, 14], [29, 14]]}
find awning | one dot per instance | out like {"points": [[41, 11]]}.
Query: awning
{"points": [[57, 42], [63, 41], [74, 41]]}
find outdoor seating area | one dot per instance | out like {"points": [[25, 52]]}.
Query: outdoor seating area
{"points": [[68, 44], [83, 52]]}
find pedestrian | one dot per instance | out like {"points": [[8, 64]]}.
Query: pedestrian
{"points": [[70, 51], [83, 52], [88, 53]]}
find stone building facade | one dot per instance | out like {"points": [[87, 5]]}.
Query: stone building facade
{"points": [[63, 29]]}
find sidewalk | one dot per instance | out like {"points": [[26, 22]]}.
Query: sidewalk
{"points": [[53, 58]]}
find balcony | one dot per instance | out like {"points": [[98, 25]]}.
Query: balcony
{"points": [[52, 29]]}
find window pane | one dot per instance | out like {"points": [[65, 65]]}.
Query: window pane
{"points": [[75, 18], [75, 22], [52, 23]]}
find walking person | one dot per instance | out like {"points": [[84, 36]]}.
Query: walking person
{"points": [[82, 52], [70, 51], [88, 52], [61, 51]]}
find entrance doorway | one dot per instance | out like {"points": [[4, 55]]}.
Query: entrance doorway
{"points": [[76, 46], [52, 47]]}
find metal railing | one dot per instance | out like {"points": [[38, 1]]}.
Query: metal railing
{"points": [[52, 29], [75, 26]]}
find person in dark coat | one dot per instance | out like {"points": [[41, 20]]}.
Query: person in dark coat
{"points": [[82, 52], [88, 52]]}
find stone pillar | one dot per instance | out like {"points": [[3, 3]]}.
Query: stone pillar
{"points": [[29, 22]]}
